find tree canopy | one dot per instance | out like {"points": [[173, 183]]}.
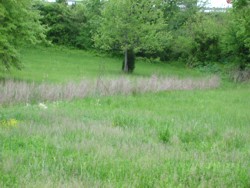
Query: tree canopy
{"points": [[136, 25], [169, 29], [19, 24], [237, 40]]}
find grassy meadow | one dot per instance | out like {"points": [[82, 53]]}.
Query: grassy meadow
{"points": [[195, 137], [58, 64]]}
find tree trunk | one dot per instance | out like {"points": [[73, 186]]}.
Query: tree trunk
{"points": [[125, 69]]}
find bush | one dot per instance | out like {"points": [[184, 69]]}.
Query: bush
{"points": [[236, 41], [199, 39], [67, 24]]}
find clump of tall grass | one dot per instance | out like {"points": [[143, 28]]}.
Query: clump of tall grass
{"points": [[240, 75], [19, 91]]}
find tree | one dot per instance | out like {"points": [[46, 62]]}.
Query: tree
{"points": [[62, 1], [177, 13], [71, 25], [199, 39], [132, 26], [92, 11], [19, 24], [66, 24], [237, 38]]}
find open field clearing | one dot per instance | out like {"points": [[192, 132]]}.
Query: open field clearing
{"points": [[168, 139], [59, 65], [123, 93], [150, 136]]}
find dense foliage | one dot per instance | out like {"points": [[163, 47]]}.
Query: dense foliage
{"points": [[66, 24], [70, 25], [19, 24], [132, 26], [198, 41], [237, 39], [173, 30]]}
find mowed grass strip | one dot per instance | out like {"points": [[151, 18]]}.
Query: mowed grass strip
{"points": [[61, 65], [166, 139]]}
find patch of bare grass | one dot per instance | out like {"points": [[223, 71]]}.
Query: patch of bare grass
{"points": [[16, 91]]}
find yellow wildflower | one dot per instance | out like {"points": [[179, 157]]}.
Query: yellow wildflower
{"points": [[9, 123]]}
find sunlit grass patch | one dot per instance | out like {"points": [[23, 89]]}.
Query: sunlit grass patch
{"points": [[10, 123], [125, 121], [145, 140], [56, 65]]}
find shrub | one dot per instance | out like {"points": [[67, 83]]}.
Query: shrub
{"points": [[236, 41], [198, 41], [67, 25]]}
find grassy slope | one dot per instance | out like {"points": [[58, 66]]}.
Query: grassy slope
{"points": [[168, 139], [62, 65]]}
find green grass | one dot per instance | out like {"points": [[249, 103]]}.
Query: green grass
{"points": [[193, 138], [117, 141], [61, 65]]}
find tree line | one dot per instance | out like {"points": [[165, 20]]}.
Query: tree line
{"points": [[165, 29]]}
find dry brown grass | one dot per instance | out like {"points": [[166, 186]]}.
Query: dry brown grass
{"points": [[240, 75], [16, 92]]}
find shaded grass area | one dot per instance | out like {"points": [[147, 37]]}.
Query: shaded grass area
{"points": [[56, 64], [166, 139]]}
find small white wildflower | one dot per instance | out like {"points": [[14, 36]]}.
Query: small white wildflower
{"points": [[98, 102], [42, 106]]}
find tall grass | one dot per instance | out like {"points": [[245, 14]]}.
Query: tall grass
{"points": [[168, 139], [16, 92], [120, 131]]}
